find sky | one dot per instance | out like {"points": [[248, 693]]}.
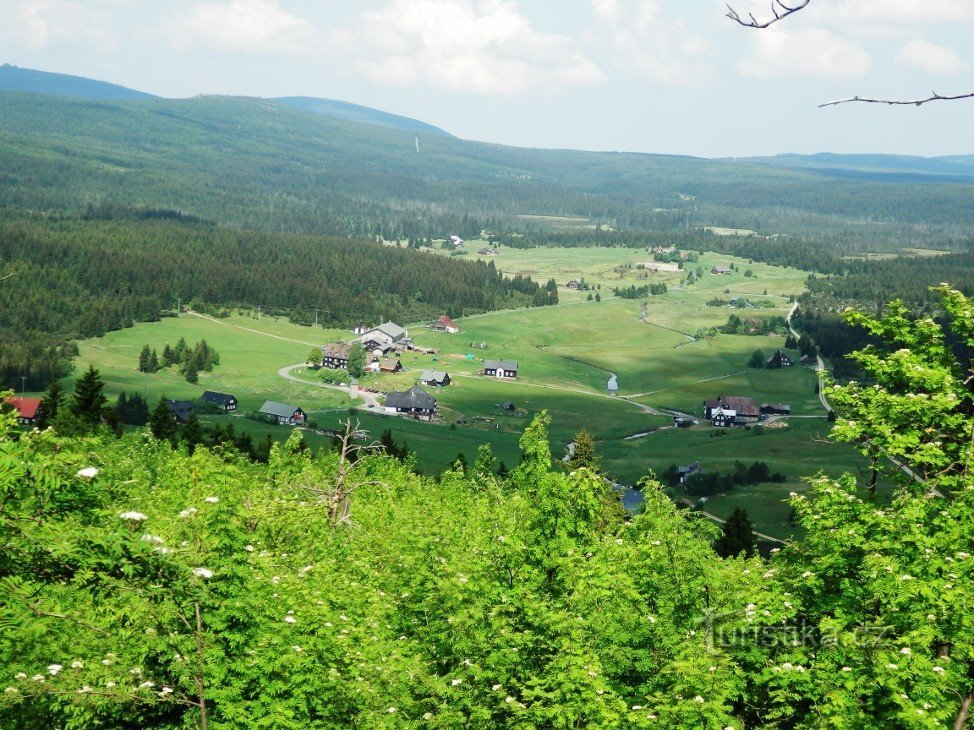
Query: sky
{"points": [[662, 76]]}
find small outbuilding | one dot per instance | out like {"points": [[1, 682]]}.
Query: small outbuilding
{"points": [[435, 378], [284, 413], [225, 401]]}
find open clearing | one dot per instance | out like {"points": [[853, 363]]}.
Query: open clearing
{"points": [[566, 354]]}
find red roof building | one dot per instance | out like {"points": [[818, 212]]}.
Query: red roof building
{"points": [[28, 409], [444, 324]]}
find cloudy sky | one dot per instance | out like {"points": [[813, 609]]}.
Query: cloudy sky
{"points": [[670, 76]]}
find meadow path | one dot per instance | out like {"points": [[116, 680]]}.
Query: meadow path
{"points": [[285, 372]]}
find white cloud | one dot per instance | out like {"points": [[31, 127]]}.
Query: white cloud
{"points": [[487, 47], [38, 24], [896, 12], [806, 52], [244, 26], [645, 41], [930, 58]]}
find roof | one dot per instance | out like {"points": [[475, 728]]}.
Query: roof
{"points": [[500, 365], [181, 409], [26, 407], [221, 398], [391, 330], [435, 376], [447, 322], [743, 406], [389, 363], [335, 349], [281, 410], [776, 406], [414, 398]]}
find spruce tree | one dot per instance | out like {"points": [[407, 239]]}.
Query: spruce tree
{"points": [[161, 421], [192, 371], [144, 359], [88, 400], [168, 356], [191, 433], [153, 362], [738, 535], [51, 403]]}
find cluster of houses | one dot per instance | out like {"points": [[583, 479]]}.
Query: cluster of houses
{"points": [[726, 411]]}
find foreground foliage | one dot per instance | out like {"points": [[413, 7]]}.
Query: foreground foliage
{"points": [[142, 586]]}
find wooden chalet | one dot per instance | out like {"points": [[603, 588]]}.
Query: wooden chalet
{"points": [[435, 378], [775, 409], [335, 355], [414, 402], [28, 409], [745, 410], [284, 413], [779, 360], [573, 284], [224, 400], [181, 410], [390, 365], [500, 368], [444, 324], [486, 251], [722, 417]]}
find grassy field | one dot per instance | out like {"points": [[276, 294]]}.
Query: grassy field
{"points": [[565, 354]]}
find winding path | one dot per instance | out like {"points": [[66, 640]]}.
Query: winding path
{"points": [[285, 372]]}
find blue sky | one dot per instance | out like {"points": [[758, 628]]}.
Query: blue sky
{"points": [[668, 76]]}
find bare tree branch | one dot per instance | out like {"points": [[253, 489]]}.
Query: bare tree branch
{"points": [[899, 102], [779, 8]]}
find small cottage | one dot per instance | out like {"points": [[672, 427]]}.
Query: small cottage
{"points": [[28, 409], [444, 324], [284, 413], [225, 401], [779, 360], [573, 284], [435, 378], [720, 270], [744, 409], [181, 410], [500, 368], [335, 355]]}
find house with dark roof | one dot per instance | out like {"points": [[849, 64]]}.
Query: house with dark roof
{"points": [[414, 402], [573, 284], [500, 368], [224, 400], [444, 324], [28, 409], [335, 355], [683, 472], [284, 413], [436, 378], [779, 360], [745, 409], [722, 417], [775, 409], [181, 409]]}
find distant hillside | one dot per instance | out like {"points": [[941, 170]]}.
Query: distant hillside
{"points": [[13, 78], [260, 164], [356, 113], [959, 167]]}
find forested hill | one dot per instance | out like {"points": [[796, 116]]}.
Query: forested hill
{"points": [[78, 278], [357, 113], [14, 78], [262, 164]]}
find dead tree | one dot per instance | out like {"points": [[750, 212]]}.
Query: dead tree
{"points": [[781, 10]]}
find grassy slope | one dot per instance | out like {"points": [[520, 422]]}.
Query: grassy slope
{"points": [[564, 353]]}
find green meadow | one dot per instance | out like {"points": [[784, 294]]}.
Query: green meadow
{"points": [[565, 354]]}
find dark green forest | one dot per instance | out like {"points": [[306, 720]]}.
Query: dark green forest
{"points": [[74, 278]]}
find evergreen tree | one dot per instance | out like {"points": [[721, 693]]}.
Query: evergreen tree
{"points": [[757, 360], [191, 433], [153, 361], [132, 410], [177, 354], [461, 462], [598, 297], [161, 421], [88, 401], [738, 535], [168, 356], [144, 359], [191, 372], [51, 403]]}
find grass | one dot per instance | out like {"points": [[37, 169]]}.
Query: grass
{"points": [[565, 355]]}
